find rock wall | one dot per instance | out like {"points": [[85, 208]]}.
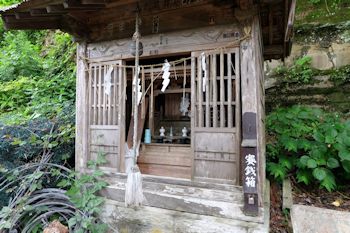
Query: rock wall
{"points": [[323, 93], [329, 48], [323, 57]]}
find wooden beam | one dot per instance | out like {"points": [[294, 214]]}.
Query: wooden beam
{"points": [[245, 4], [270, 26], [289, 30], [75, 27], [273, 50], [94, 2], [23, 15], [149, 9], [38, 12], [108, 25], [74, 4], [9, 18], [44, 24], [58, 8], [13, 19]]}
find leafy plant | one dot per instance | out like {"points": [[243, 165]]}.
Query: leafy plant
{"points": [[19, 57], [75, 203], [310, 144], [22, 143], [341, 75], [300, 71], [8, 2]]}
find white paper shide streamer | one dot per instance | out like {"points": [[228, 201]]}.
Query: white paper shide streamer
{"points": [[138, 86], [166, 75], [107, 81], [204, 69]]}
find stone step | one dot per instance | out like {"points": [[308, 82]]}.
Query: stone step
{"points": [[224, 202], [150, 219]]}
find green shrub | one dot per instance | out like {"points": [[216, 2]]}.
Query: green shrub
{"points": [[300, 71], [8, 2], [341, 75], [310, 144], [23, 143], [19, 57]]}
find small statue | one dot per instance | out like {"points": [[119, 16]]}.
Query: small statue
{"points": [[162, 131], [184, 132]]}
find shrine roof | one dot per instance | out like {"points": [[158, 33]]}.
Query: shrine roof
{"points": [[103, 20]]}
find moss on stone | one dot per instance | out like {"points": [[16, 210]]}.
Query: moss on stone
{"points": [[309, 13]]}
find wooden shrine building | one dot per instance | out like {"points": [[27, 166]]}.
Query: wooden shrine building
{"points": [[206, 172]]}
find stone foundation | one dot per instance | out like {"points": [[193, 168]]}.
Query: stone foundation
{"points": [[156, 220]]}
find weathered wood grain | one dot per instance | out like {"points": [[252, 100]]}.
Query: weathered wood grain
{"points": [[167, 43], [81, 111]]}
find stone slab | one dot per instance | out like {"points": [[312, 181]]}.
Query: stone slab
{"points": [[309, 219], [287, 194], [156, 220], [192, 200]]}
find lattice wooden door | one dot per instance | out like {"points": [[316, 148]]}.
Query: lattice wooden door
{"points": [[106, 111], [216, 114]]}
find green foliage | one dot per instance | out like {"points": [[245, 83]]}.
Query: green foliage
{"points": [[322, 12], [341, 75], [314, 1], [21, 144], [36, 200], [37, 91], [300, 71], [82, 192], [19, 57], [8, 2], [310, 144]]}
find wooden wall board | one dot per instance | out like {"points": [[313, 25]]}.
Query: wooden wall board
{"points": [[167, 43], [81, 111], [221, 142], [166, 160], [105, 140]]}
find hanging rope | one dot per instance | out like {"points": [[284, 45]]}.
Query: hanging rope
{"points": [[133, 188]]}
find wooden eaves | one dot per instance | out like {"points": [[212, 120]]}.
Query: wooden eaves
{"points": [[102, 20]]}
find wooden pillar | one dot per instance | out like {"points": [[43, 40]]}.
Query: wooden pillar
{"points": [[252, 94], [81, 150]]}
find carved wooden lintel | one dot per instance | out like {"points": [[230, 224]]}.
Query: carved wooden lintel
{"points": [[167, 43]]}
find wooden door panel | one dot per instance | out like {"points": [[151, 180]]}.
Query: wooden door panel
{"points": [[215, 114], [106, 104], [219, 142]]}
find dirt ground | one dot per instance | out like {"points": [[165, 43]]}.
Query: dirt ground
{"points": [[305, 195], [313, 196], [279, 219]]}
